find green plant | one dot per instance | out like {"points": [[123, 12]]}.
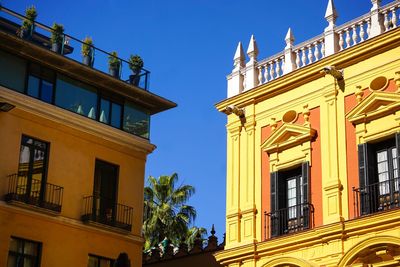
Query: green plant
{"points": [[87, 46], [113, 60], [135, 63], [30, 16], [57, 33]]}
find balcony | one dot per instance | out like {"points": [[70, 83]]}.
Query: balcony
{"points": [[34, 193], [10, 22], [288, 220], [105, 212], [376, 197]]}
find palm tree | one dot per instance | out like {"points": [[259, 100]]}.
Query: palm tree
{"points": [[166, 214]]}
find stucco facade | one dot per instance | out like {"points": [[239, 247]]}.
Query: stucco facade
{"points": [[307, 183], [53, 199]]}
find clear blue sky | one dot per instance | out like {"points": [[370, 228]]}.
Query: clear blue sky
{"points": [[188, 46]]}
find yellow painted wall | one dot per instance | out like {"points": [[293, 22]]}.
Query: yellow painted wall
{"points": [[264, 105], [66, 241]]}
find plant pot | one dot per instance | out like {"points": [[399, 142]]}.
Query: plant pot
{"points": [[114, 71], [56, 47], [25, 34], [134, 79], [87, 60]]}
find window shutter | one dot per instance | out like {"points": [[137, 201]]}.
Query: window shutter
{"points": [[305, 175], [274, 191], [397, 137], [274, 205], [366, 167]]}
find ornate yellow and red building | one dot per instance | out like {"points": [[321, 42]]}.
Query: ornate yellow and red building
{"points": [[313, 148]]}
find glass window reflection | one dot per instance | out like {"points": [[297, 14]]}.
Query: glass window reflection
{"points": [[76, 97], [136, 121]]}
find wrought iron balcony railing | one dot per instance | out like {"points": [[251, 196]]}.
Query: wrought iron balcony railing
{"points": [[288, 220], [11, 22], [376, 197], [34, 192], [105, 211]]}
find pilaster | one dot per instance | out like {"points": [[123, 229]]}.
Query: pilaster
{"points": [[331, 184], [233, 213]]}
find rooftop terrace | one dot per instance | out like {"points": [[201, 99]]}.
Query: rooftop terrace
{"points": [[11, 21]]}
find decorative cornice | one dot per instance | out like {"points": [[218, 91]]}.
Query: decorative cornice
{"points": [[376, 105], [74, 121], [286, 136], [69, 222]]}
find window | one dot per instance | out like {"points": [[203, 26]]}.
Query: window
{"points": [[98, 261], [110, 113], [105, 191], [379, 175], [40, 83], [12, 71], [32, 169], [136, 121], [23, 253], [76, 97], [289, 200]]}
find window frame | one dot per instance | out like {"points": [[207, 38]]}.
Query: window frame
{"points": [[17, 254], [97, 257], [40, 77]]}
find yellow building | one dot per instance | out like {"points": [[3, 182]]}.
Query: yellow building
{"points": [[74, 142], [313, 145]]}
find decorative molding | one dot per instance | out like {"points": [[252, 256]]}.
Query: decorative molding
{"points": [[74, 121], [376, 105], [287, 136]]}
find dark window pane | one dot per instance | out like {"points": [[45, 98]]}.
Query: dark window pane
{"points": [[136, 121], [104, 111], [75, 96], [47, 92], [12, 71], [33, 86], [116, 115]]}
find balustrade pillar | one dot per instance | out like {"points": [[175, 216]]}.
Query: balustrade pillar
{"points": [[377, 26]]}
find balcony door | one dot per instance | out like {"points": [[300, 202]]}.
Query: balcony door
{"points": [[105, 191], [32, 169]]}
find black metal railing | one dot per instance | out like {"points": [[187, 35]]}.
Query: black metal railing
{"points": [[34, 192], [376, 197], [288, 220], [106, 211], [11, 22]]}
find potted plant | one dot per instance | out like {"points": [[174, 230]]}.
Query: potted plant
{"points": [[114, 64], [136, 65], [28, 24], [87, 51], [57, 37]]}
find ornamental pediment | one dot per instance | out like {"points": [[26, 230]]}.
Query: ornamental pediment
{"points": [[376, 105], [286, 136]]}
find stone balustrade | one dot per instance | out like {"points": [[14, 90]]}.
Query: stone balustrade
{"points": [[250, 74]]}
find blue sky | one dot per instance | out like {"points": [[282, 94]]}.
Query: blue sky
{"points": [[188, 46]]}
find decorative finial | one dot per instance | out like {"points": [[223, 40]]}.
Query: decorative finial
{"points": [[359, 93], [212, 230], [331, 14], [238, 59], [274, 124], [397, 81], [306, 115], [376, 4], [252, 50], [289, 39]]}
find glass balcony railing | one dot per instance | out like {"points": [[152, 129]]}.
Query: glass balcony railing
{"points": [[71, 48]]}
